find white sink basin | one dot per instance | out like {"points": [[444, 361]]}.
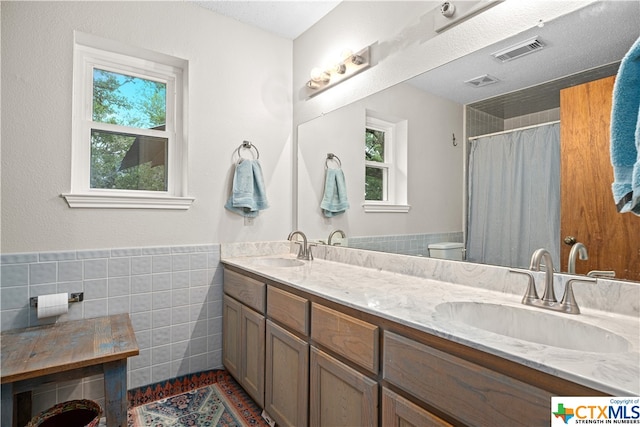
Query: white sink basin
{"points": [[537, 326], [279, 262]]}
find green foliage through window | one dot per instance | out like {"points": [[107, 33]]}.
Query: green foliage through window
{"points": [[130, 162], [373, 189], [374, 152], [374, 145], [121, 160]]}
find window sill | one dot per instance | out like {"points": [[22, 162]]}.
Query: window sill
{"points": [[387, 208], [111, 201]]}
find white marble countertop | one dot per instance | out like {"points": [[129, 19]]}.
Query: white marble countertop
{"points": [[412, 301]]}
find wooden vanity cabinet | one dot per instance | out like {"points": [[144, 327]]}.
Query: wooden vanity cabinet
{"points": [[325, 364], [243, 320], [287, 358]]}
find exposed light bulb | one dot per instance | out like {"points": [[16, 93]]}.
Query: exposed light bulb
{"points": [[319, 75], [357, 59], [338, 67], [346, 55]]}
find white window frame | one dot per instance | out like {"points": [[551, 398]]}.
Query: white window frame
{"points": [[92, 52], [394, 166], [386, 166]]}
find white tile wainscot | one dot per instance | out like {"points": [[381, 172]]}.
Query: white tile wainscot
{"points": [[173, 295]]}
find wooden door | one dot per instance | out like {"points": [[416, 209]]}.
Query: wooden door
{"points": [[339, 395], [231, 311], [587, 209], [287, 377], [252, 354], [399, 412]]}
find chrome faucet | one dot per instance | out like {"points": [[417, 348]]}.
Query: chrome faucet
{"points": [[305, 250], [549, 295], [333, 233], [576, 249], [548, 301]]}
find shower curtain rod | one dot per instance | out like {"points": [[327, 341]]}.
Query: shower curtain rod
{"points": [[513, 130]]}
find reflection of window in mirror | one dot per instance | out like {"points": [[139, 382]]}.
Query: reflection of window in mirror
{"points": [[385, 158], [376, 163]]}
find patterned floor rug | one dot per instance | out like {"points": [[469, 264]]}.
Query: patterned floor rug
{"points": [[210, 399]]}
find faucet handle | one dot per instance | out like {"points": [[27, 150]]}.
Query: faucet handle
{"points": [[568, 303], [602, 273], [301, 249], [531, 294], [309, 246]]}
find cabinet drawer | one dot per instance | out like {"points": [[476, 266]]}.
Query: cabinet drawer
{"points": [[468, 392], [288, 309], [245, 289], [345, 335]]}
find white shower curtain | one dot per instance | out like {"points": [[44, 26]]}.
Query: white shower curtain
{"points": [[514, 196]]}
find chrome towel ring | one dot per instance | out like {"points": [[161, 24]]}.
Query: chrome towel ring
{"points": [[247, 146], [336, 159]]}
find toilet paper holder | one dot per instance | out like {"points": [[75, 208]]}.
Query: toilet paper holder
{"points": [[73, 297]]}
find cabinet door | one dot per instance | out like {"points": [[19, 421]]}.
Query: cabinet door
{"points": [[340, 395], [399, 412], [287, 377], [252, 354], [231, 313]]}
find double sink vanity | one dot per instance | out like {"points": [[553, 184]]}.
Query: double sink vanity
{"points": [[366, 338]]}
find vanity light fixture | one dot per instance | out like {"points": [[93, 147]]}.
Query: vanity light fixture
{"points": [[348, 65]]}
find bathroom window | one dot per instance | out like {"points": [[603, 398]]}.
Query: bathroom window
{"points": [[129, 141], [377, 164], [385, 158]]}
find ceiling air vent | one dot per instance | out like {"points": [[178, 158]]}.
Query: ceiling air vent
{"points": [[518, 50], [483, 80]]}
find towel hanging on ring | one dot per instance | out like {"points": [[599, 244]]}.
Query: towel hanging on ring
{"points": [[248, 194], [334, 201]]}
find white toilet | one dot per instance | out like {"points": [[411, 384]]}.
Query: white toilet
{"points": [[447, 250]]}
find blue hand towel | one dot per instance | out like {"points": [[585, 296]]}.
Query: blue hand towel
{"points": [[625, 133], [334, 202], [248, 195]]}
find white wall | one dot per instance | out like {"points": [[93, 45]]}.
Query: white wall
{"points": [[240, 88], [435, 166]]}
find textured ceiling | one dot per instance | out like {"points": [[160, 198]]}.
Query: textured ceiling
{"points": [[288, 19], [594, 38]]}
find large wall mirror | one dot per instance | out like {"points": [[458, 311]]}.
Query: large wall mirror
{"points": [[425, 159]]}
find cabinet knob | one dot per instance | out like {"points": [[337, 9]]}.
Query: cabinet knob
{"points": [[570, 240]]}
